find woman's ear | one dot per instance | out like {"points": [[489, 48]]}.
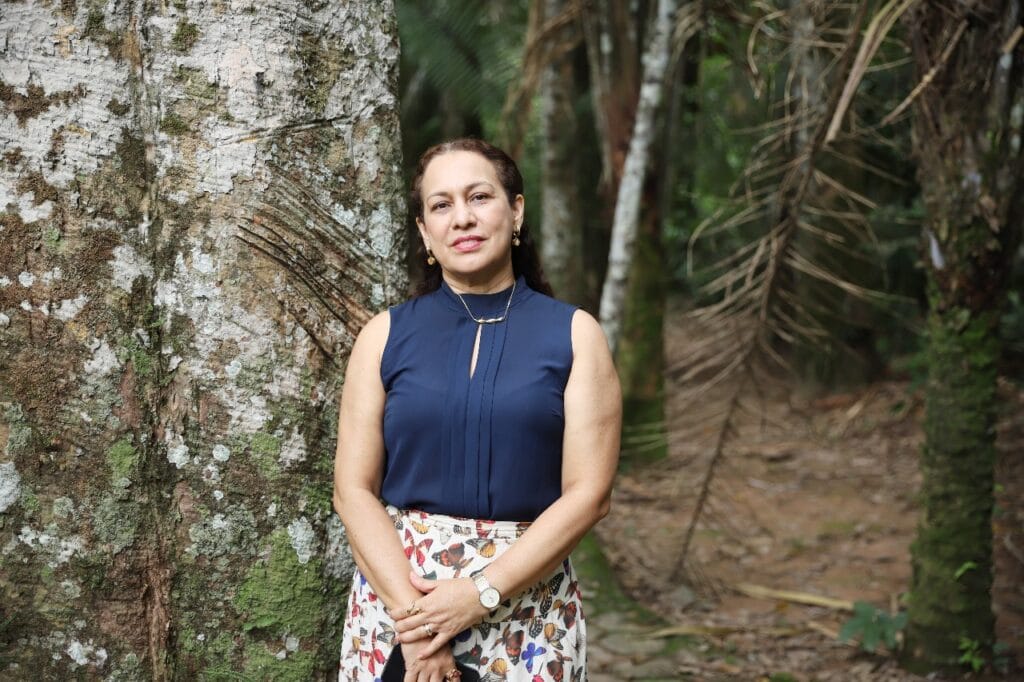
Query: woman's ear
{"points": [[423, 233], [518, 208]]}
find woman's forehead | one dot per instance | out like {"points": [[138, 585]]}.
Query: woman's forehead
{"points": [[456, 170]]}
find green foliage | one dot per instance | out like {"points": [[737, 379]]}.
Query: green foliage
{"points": [[736, 120], [964, 567], [458, 59], [971, 654], [872, 626]]}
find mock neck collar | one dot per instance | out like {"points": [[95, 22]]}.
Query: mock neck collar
{"points": [[486, 305]]}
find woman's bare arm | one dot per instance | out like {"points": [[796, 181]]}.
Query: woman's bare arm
{"points": [[359, 469]]}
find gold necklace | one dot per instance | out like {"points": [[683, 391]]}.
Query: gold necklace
{"points": [[488, 320]]}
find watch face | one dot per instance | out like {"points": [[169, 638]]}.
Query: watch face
{"points": [[490, 598]]}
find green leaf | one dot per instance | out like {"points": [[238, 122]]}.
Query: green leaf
{"points": [[966, 566], [849, 630], [870, 640]]}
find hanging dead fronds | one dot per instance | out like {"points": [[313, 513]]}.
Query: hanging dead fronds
{"points": [[932, 72], [757, 296], [876, 33]]}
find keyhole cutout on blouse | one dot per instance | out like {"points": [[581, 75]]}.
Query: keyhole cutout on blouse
{"points": [[476, 350]]}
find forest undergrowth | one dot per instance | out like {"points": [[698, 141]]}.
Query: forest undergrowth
{"points": [[813, 511]]}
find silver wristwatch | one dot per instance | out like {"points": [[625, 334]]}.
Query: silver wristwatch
{"points": [[489, 596]]}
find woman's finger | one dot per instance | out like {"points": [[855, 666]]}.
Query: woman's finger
{"points": [[413, 635], [435, 645], [409, 611], [422, 584], [410, 623]]}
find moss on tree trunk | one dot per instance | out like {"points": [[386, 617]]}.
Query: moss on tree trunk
{"points": [[967, 139], [198, 229], [952, 555], [640, 357]]}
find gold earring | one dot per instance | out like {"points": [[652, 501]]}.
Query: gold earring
{"points": [[430, 258], [515, 238]]}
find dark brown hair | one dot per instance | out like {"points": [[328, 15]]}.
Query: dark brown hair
{"points": [[525, 259]]}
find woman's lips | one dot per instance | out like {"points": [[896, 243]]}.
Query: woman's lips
{"points": [[467, 244]]}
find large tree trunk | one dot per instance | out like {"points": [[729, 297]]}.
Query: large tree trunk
{"points": [[967, 137], [561, 216], [201, 207]]}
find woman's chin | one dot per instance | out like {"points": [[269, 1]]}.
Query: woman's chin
{"points": [[474, 264]]}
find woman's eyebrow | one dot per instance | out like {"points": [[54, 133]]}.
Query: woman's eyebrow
{"points": [[444, 193]]}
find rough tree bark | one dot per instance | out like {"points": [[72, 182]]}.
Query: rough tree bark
{"points": [[967, 137], [200, 207], [561, 216]]}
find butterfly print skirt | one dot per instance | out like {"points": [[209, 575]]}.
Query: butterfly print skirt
{"points": [[537, 636]]}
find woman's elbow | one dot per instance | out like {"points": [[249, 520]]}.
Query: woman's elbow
{"points": [[342, 499], [604, 507]]}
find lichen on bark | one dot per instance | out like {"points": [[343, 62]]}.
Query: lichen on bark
{"points": [[171, 381]]}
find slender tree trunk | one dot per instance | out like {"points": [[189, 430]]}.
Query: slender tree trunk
{"points": [[201, 206], [967, 137], [561, 216], [613, 60], [640, 357], [627, 204], [641, 353]]}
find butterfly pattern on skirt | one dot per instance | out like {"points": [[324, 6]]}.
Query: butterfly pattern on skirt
{"points": [[537, 636]]}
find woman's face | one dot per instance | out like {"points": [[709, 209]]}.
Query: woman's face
{"points": [[467, 220]]}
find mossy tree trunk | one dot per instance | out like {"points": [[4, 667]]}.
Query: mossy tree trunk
{"points": [[640, 356], [967, 137], [200, 207], [561, 215]]}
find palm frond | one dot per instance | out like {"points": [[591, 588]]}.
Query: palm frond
{"points": [[756, 301]]}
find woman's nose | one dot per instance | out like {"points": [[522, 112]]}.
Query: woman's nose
{"points": [[463, 214]]}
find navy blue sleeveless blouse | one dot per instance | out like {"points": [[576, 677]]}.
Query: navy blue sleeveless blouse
{"points": [[487, 446]]}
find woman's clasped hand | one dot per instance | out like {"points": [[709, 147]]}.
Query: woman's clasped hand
{"points": [[447, 608], [434, 668]]}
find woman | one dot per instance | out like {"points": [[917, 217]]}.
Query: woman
{"points": [[486, 415]]}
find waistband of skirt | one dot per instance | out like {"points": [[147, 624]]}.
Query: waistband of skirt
{"points": [[459, 525]]}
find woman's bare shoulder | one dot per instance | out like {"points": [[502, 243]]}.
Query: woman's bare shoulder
{"points": [[587, 334], [373, 337]]}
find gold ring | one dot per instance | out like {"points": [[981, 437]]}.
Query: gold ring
{"points": [[453, 674], [413, 609], [429, 629]]}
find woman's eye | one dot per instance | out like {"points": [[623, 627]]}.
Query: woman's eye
{"points": [[479, 197], [439, 205]]}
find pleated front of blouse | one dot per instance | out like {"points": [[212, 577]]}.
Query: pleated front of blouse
{"points": [[486, 445]]}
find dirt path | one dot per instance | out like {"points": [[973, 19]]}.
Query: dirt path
{"points": [[820, 501]]}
